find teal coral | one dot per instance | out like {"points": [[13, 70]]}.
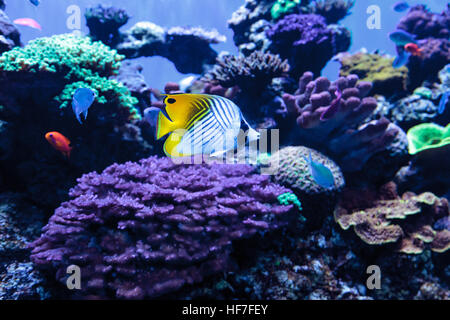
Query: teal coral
{"points": [[81, 63], [282, 7], [289, 198]]}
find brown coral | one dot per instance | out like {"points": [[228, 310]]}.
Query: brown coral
{"points": [[406, 221]]}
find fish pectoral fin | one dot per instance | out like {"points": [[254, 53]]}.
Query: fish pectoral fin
{"points": [[171, 143], [163, 126]]}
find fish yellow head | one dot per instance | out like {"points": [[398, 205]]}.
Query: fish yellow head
{"points": [[181, 112]]}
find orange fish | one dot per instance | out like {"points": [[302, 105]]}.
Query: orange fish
{"points": [[59, 142], [413, 49]]}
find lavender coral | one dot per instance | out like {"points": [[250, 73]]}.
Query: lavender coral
{"points": [[423, 23], [343, 136], [146, 229], [307, 42]]}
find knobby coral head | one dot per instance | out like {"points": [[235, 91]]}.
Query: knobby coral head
{"points": [[148, 228]]}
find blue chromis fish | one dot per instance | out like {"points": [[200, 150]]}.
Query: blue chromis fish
{"points": [[401, 37], [35, 2], [321, 174], [401, 59], [198, 124], [82, 101], [400, 6], [443, 102]]}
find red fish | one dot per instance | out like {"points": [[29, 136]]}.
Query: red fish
{"points": [[59, 142], [413, 49], [28, 22]]}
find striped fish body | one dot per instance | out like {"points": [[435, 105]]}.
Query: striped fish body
{"points": [[199, 124]]}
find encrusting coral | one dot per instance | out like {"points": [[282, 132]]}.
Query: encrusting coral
{"points": [[342, 135], [146, 229], [376, 69], [406, 221]]}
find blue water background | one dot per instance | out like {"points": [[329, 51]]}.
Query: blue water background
{"points": [[51, 14]]}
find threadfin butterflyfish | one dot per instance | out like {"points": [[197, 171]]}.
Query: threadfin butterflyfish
{"points": [[198, 124]]}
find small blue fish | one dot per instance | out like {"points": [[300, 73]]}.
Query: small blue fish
{"points": [[401, 37], [443, 102], [81, 102], [321, 174], [35, 2], [400, 60], [400, 6]]}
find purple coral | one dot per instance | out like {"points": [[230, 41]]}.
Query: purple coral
{"points": [[343, 136], [146, 229], [307, 42], [425, 24]]}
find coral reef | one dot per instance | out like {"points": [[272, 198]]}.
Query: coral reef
{"points": [[435, 56], [427, 170], [332, 10], [253, 73], [68, 62], [187, 47], [130, 75], [376, 69], [427, 136], [291, 169], [146, 229], [38, 82], [344, 136], [9, 35], [255, 83], [423, 23], [406, 221], [104, 23], [248, 21], [324, 264], [20, 223], [147, 39], [407, 112], [307, 42]]}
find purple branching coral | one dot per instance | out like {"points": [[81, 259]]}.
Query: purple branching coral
{"points": [[148, 228], [307, 42], [342, 133]]}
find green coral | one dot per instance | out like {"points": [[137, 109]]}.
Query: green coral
{"points": [[282, 7], [377, 69], [80, 63], [289, 198], [427, 136]]}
